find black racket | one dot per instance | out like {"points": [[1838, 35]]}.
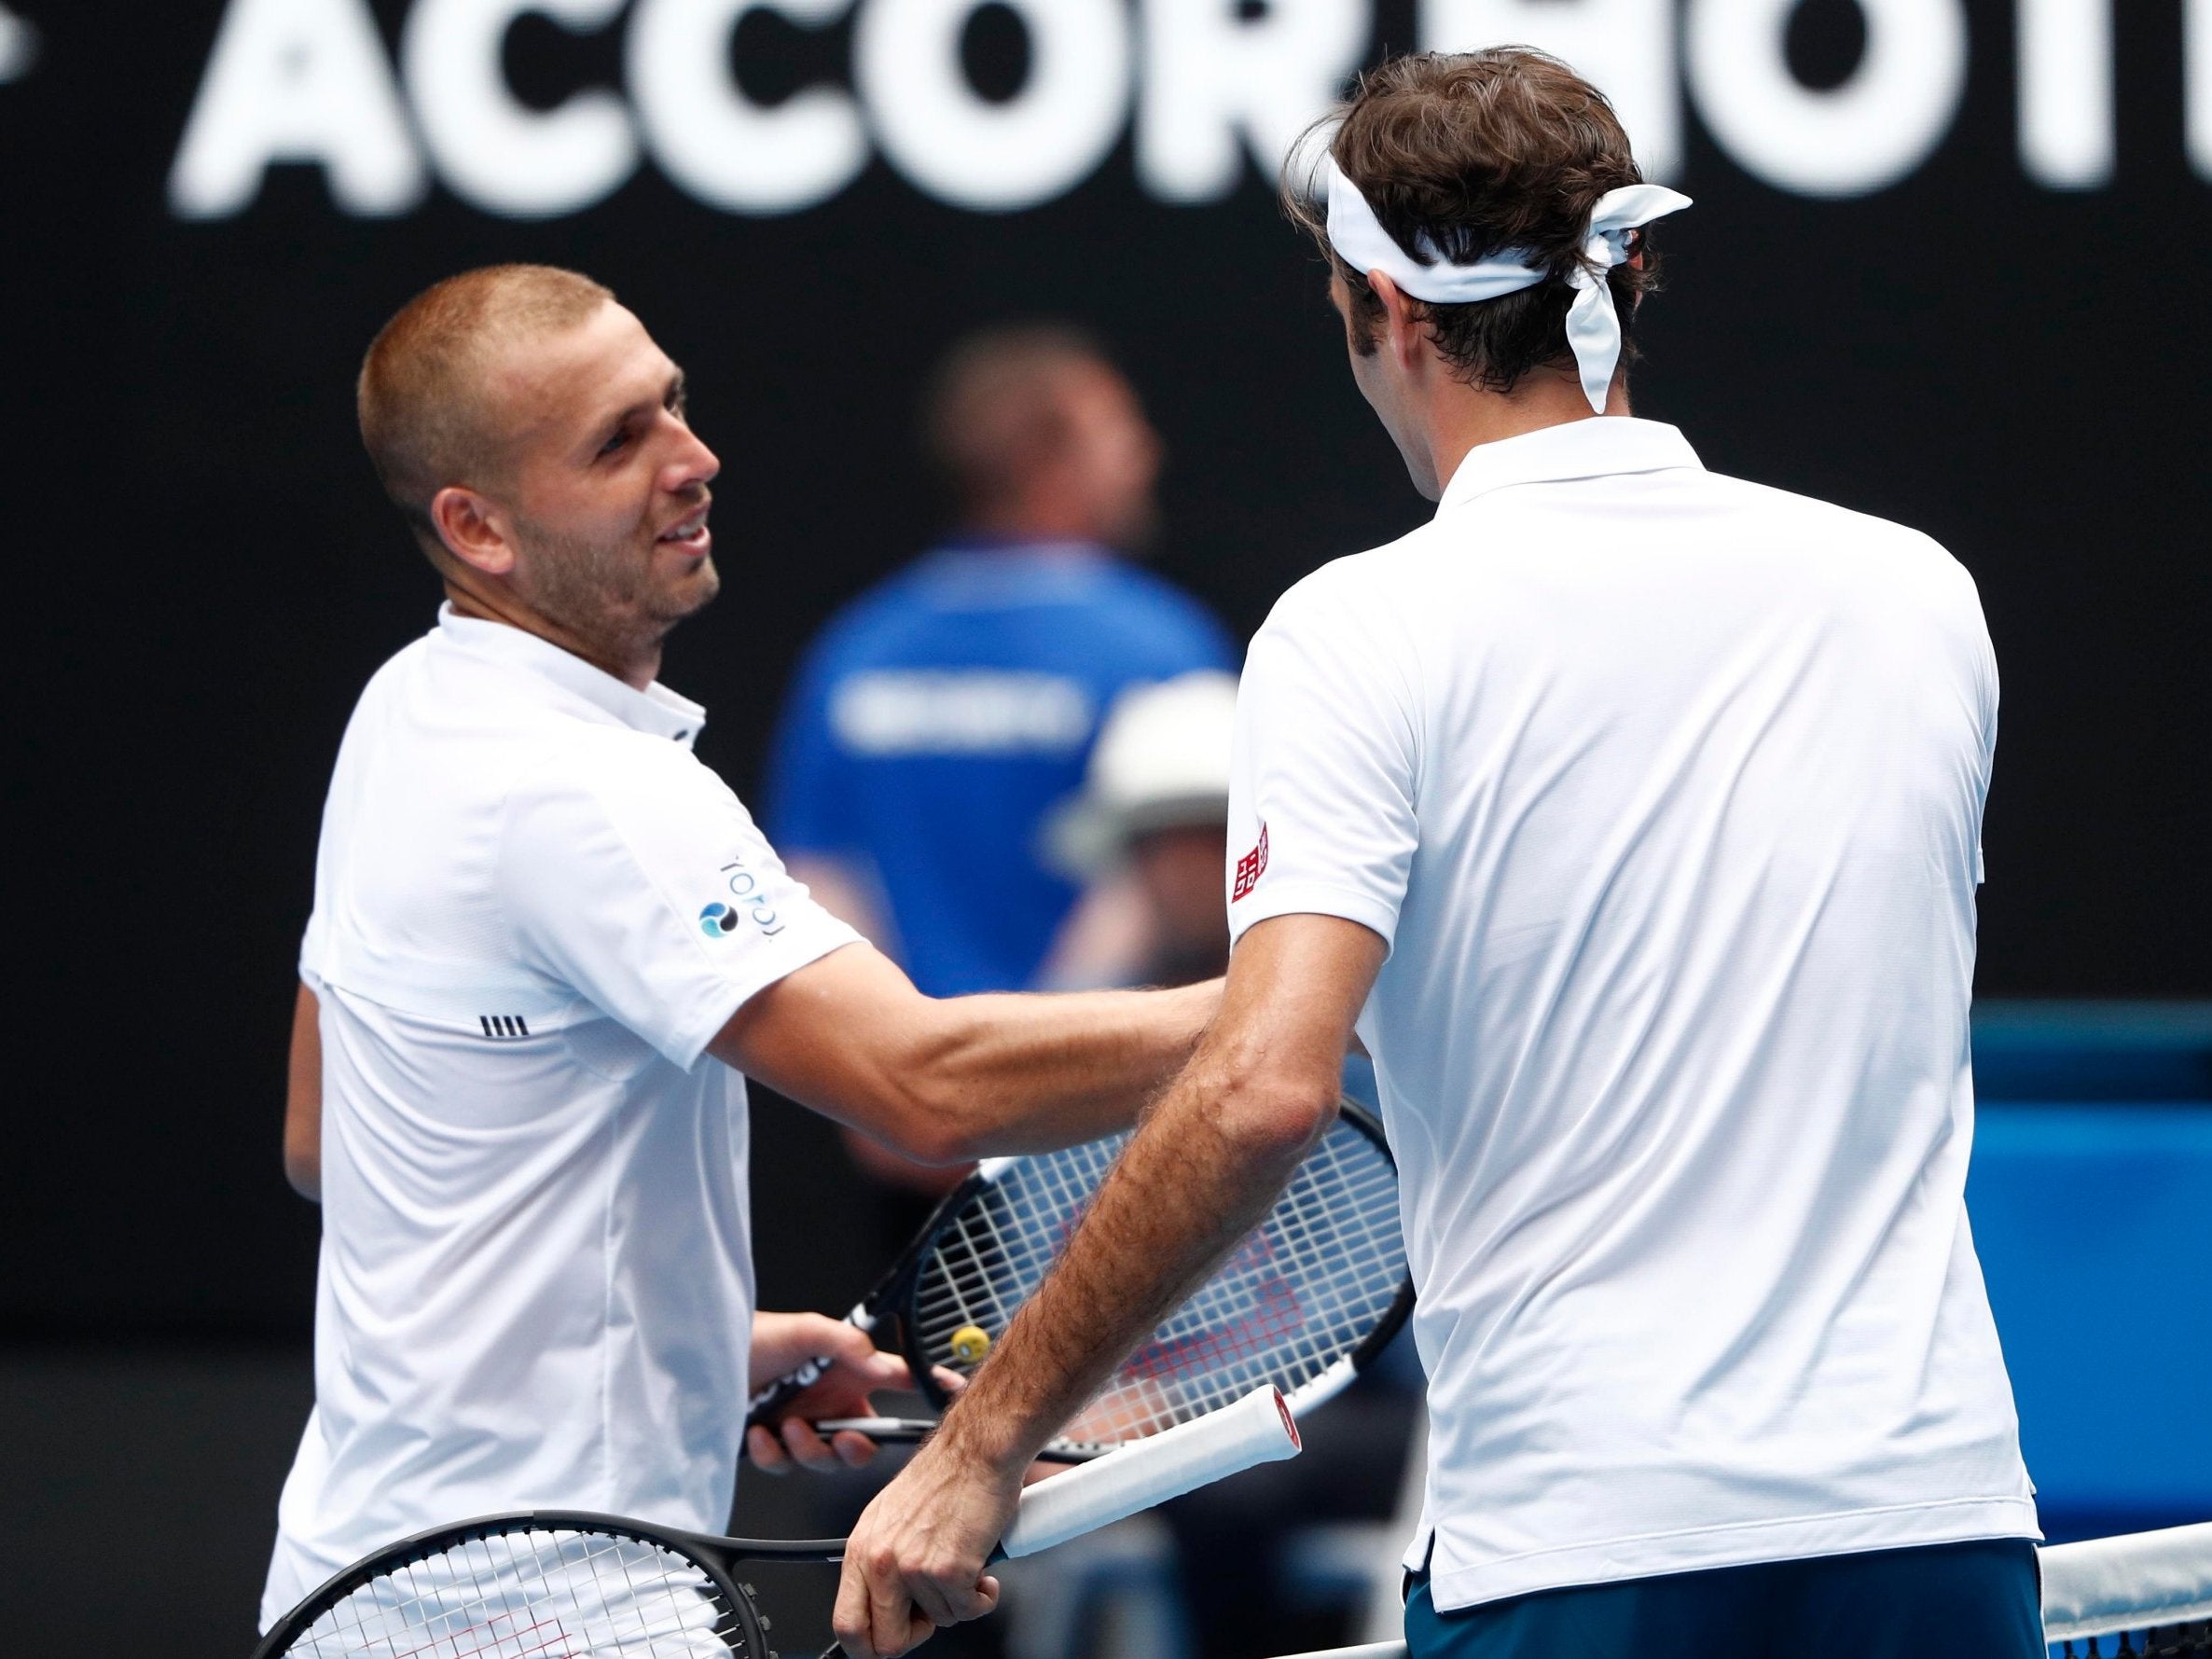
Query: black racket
{"points": [[569, 1584], [1304, 1303]]}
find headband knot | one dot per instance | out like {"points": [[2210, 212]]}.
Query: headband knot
{"points": [[1593, 325]]}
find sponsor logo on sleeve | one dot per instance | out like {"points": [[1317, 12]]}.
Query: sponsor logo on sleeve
{"points": [[1251, 867], [748, 902]]}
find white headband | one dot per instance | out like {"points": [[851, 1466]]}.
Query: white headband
{"points": [[1593, 327]]}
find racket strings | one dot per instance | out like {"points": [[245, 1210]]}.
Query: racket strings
{"points": [[1303, 1291], [529, 1595], [996, 1254]]}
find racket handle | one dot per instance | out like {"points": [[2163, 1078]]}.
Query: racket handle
{"points": [[894, 1429], [787, 1388], [1258, 1429], [910, 1430]]}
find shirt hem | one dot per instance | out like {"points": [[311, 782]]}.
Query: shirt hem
{"points": [[1313, 898], [1851, 1532]]}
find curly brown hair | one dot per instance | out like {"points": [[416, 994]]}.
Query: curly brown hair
{"points": [[1467, 154]]}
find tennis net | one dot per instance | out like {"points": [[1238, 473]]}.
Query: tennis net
{"points": [[2140, 1596], [2143, 1593]]}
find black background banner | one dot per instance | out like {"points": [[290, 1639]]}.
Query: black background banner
{"points": [[203, 572]]}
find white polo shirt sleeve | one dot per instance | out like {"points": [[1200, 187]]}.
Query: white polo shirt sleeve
{"points": [[1987, 682], [628, 871], [1324, 766], [310, 954]]}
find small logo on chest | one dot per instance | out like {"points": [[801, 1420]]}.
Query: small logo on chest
{"points": [[503, 1028]]}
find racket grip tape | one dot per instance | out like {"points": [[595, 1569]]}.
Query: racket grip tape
{"points": [[1258, 1429]]}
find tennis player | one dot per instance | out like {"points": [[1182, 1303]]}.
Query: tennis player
{"points": [[547, 941], [1631, 815]]}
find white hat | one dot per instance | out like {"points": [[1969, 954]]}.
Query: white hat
{"points": [[1162, 761]]}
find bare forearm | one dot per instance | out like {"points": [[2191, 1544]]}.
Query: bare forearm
{"points": [[1198, 1177], [1200, 1172], [948, 1080], [1032, 1073]]}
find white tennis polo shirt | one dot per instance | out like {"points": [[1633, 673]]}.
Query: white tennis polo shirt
{"points": [[534, 908], [1665, 790]]}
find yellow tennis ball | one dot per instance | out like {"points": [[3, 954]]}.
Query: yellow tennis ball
{"points": [[970, 1343]]}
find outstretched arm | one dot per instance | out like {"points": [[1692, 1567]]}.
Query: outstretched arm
{"points": [[945, 1080], [1200, 1173]]}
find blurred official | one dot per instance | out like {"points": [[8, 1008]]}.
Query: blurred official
{"points": [[1631, 814], [942, 715], [545, 940]]}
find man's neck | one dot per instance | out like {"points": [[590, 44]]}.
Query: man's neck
{"points": [[1458, 418], [637, 670]]}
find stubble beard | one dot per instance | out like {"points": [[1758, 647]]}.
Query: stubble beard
{"points": [[603, 593]]}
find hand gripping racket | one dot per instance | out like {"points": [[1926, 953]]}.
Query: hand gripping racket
{"points": [[567, 1584], [1305, 1303]]}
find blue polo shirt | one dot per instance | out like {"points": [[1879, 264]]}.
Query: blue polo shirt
{"points": [[941, 716]]}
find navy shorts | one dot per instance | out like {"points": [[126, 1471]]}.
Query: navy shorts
{"points": [[1979, 1600]]}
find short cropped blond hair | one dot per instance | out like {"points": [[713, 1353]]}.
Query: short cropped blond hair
{"points": [[421, 397]]}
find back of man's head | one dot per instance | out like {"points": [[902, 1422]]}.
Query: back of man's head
{"points": [[1473, 153], [425, 398], [1032, 421]]}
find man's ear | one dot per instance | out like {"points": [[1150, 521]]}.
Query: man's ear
{"points": [[474, 530], [1404, 334]]}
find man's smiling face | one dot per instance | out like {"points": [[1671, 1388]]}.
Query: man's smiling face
{"points": [[605, 481]]}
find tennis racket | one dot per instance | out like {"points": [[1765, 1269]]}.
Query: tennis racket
{"points": [[569, 1584], [1305, 1303]]}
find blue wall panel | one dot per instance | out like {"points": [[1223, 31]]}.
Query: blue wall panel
{"points": [[2093, 1222]]}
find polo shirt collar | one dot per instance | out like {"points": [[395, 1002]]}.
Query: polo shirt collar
{"points": [[655, 711], [1601, 445]]}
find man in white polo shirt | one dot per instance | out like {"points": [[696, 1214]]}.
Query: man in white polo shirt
{"points": [[545, 942], [1630, 815]]}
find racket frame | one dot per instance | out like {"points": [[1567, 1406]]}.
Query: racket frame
{"points": [[713, 1557], [893, 1297], [890, 1299], [886, 1296], [1257, 1429]]}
